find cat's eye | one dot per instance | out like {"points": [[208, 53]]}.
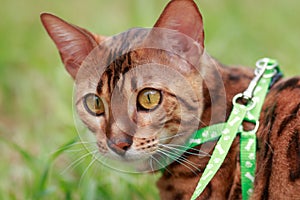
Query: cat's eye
{"points": [[149, 99], [93, 104]]}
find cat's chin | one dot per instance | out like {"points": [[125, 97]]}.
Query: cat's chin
{"points": [[131, 155], [134, 162]]}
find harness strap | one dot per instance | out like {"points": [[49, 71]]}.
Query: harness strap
{"points": [[255, 96]]}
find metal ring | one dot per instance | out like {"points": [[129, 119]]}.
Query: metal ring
{"points": [[236, 97], [253, 130], [265, 63], [257, 70], [240, 95]]}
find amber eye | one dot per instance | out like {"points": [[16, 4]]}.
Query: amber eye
{"points": [[93, 104], [149, 99]]}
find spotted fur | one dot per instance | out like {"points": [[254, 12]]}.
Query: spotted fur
{"points": [[110, 67]]}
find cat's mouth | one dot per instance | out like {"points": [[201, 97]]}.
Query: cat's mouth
{"points": [[133, 153], [146, 158]]}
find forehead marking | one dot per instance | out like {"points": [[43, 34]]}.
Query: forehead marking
{"points": [[115, 71]]}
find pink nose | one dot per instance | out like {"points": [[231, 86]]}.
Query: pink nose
{"points": [[120, 146]]}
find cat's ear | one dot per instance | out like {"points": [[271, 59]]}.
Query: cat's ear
{"points": [[185, 17], [74, 43]]}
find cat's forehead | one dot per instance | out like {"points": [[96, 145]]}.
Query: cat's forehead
{"points": [[113, 72], [115, 57], [141, 68]]}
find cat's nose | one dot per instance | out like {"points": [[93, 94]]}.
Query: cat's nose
{"points": [[119, 146]]}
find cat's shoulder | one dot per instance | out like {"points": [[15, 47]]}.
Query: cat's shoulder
{"points": [[284, 94], [288, 85], [282, 104]]}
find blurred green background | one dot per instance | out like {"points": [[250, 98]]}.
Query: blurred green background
{"points": [[39, 157]]}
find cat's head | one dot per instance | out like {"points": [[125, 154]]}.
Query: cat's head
{"points": [[139, 92]]}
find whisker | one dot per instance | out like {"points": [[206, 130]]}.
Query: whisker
{"points": [[101, 156], [182, 162], [84, 147], [173, 147], [270, 147], [159, 163], [170, 137], [65, 147], [180, 156], [183, 159], [84, 142], [75, 150], [78, 161], [196, 117], [194, 149], [151, 163], [86, 170]]}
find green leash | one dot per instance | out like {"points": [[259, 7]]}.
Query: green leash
{"points": [[226, 132]]}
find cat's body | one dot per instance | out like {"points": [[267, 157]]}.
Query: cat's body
{"points": [[278, 154], [139, 110]]}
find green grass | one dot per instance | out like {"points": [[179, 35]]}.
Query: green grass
{"points": [[39, 153]]}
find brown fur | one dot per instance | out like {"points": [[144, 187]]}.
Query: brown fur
{"points": [[125, 130]]}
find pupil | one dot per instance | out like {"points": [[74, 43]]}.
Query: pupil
{"points": [[97, 102], [149, 99]]}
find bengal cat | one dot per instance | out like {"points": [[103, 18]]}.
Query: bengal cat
{"points": [[145, 91]]}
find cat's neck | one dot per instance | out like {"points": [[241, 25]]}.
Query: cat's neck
{"points": [[221, 84]]}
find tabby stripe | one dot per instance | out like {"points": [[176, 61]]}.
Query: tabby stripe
{"points": [[174, 120], [170, 188], [288, 119], [291, 83], [234, 191], [109, 73], [293, 153], [267, 176], [99, 86], [236, 76], [125, 67], [178, 196], [114, 71], [271, 116], [188, 174], [209, 192]]}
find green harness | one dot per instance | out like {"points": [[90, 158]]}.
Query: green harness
{"points": [[265, 74]]}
